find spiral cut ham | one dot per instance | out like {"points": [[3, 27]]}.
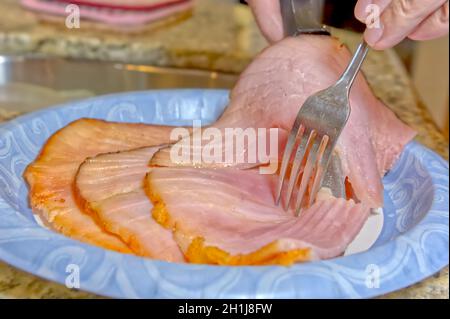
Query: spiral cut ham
{"points": [[116, 185]]}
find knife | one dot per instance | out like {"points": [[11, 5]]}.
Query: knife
{"points": [[303, 17]]}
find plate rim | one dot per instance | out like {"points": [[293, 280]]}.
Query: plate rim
{"points": [[331, 265]]}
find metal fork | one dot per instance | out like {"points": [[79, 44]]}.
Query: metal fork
{"points": [[318, 126], [321, 119]]}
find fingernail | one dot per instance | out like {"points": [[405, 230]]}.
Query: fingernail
{"points": [[374, 35]]}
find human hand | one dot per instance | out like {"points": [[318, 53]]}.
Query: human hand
{"points": [[268, 17], [400, 19]]}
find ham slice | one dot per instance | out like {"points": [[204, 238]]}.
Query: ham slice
{"points": [[227, 216], [271, 90], [108, 16], [51, 176], [126, 5], [110, 186]]}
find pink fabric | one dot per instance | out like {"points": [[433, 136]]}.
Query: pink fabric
{"points": [[108, 16]]}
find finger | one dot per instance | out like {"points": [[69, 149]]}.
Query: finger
{"points": [[268, 17], [360, 9], [434, 26], [399, 20], [364, 8]]}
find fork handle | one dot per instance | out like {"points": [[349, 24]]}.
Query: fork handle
{"points": [[349, 75]]}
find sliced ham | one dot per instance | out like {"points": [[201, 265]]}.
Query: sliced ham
{"points": [[126, 5], [271, 90], [51, 176], [223, 215], [220, 214], [110, 16], [110, 186], [227, 216]]}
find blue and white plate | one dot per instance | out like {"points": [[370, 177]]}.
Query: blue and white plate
{"points": [[413, 244]]}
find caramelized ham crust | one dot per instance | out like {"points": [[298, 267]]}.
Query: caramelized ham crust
{"points": [[51, 176]]}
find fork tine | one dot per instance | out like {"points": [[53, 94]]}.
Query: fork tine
{"points": [[319, 170], [302, 150], [307, 172], [297, 130]]}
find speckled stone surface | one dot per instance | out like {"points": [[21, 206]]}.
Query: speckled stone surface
{"points": [[217, 36]]}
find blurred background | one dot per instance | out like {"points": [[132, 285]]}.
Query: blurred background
{"points": [[160, 44]]}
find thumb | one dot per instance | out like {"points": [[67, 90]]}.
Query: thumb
{"points": [[268, 17]]}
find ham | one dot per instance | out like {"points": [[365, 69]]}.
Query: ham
{"points": [[126, 5], [52, 175], [220, 213], [271, 90], [110, 16], [223, 215], [227, 216], [110, 186]]}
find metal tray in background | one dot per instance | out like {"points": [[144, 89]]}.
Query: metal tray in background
{"points": [[30, 83]]}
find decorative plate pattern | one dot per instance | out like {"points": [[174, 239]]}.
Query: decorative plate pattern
{"points": [[413, 245]]}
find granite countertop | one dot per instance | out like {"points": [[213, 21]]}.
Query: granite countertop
{"points": [[217, 36]]}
